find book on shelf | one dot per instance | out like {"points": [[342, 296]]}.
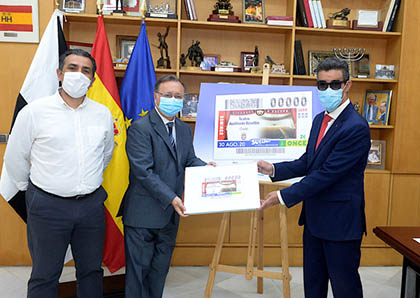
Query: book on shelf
{"points": [[321, 14], [279, 20], [190, 10], [389, 22], [187, 10], [387, 11], [313, 13], [299, 62], [226, 69], [301, 16], [308, 13], [193, 11], [280, 23], [317, 13]]}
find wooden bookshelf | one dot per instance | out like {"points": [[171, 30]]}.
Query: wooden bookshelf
{"points": [[194, 246]]}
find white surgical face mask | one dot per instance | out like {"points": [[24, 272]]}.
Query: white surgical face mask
{"points": [[75, 84]]}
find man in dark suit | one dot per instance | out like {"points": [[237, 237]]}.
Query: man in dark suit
{"points": [[159, 147], [371, 109], [332, 190]]}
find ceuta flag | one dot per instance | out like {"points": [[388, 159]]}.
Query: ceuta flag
{"points": [[41, 80], [104, 90]]}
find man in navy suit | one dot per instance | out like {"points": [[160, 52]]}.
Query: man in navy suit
{"points": [[159, 147], [332, 189]]}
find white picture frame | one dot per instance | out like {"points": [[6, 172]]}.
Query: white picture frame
{"points": [[23, 29], [218, 189]]}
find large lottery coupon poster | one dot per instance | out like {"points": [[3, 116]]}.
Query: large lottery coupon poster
{"points": [[243, 122], [262, 125]]}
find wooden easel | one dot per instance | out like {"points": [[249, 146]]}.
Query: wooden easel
{"points": [[256, 227]]}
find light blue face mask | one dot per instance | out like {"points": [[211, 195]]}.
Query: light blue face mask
{"points": [[330, 98], [170, 106]]}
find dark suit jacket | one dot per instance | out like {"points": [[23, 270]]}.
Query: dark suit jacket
{"points": [[332, 190], [156, 174], [374, 113]]}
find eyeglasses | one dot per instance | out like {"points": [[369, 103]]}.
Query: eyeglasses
{"points": [[170, 95], [335, 85]]}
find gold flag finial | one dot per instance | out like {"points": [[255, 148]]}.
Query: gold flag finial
{"points": [[99, 6], [142, 9]]}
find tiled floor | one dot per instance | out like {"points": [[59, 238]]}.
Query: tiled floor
{"points": [[190, 282]]}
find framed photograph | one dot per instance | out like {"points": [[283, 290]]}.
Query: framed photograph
{"points": [[253, 11], [209, 60], [80, 45], [315, 57], [376, 106], [361, 68], [189, 109], [125, 46], [19, 21], [368, 18], [247, 61], [385, 72], [376, 157], [74, 6]]}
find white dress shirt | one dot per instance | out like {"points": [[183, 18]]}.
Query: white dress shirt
{"points": [[64, 151], [166, 121], [334, 115]]}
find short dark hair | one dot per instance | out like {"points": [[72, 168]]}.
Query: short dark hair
{"points": [[332, 63], [78, 52], [168, 78]]}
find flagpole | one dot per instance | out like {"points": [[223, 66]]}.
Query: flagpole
{"points": [[99, 6], [142, 10]]}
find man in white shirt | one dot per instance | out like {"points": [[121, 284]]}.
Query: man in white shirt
{"points": [[332, 190], [57, 152]]}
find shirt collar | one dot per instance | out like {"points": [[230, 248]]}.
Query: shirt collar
{"points": [[165, 121], [61, 100], [334, 114]]}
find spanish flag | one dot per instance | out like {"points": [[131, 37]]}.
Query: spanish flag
{"points": [[104, 90]]}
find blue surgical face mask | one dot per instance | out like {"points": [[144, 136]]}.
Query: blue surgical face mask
{"points": [[170, 106], [330, 98]]}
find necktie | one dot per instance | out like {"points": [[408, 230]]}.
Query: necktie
{"points": [[324, 125], [171, 137], [370, 112]]}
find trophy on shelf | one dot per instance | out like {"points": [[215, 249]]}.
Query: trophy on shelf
{"points": [[195, 54], [275, 68], [163, 61], [339, 19], [119, 9], [159, 9], [223, 13], [349, 55]]}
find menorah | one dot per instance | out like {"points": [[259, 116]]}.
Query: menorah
{"points": [[349, 55]]}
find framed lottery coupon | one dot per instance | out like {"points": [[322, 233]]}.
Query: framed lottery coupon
{"points": [[221, 189], [262, 125]]}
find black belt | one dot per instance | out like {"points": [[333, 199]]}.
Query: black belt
{"points": [[78, 197]]}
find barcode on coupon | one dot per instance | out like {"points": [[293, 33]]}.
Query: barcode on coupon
{"points": [[249, 103], [259, 150]]}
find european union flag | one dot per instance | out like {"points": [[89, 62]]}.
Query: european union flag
{"points": [[136, 90]]}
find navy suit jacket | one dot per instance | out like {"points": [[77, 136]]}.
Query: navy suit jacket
{"points": [[156, 171], [332, 190]]}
